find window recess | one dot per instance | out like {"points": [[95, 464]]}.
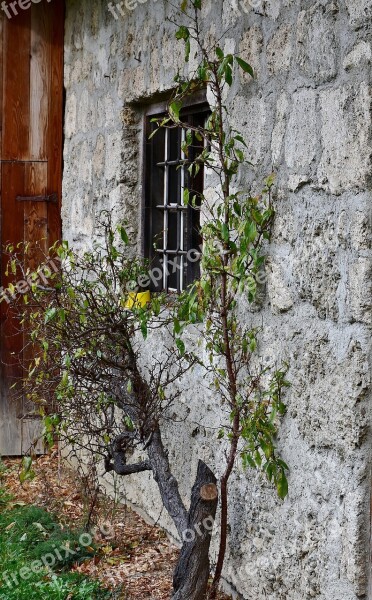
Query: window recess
{"points": [[172, 238]]}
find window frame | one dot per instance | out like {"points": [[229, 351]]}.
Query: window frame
{"points": [[194, 105]]}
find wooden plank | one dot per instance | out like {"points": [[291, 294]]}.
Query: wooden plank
{"points": [[16, 97], [11, 338], [36, 214], [40, 56], [36, 236], [31, 430], [21, 221], [55, 133], [13, 176]]}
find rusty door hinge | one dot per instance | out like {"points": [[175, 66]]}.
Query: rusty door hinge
{"points": [[50, 198]]}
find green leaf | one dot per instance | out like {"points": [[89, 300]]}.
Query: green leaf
{"points": [[238, 209], [257, 458], [250, 231], [282, 464], [183, 33], [187, 50], [282, 485], [269, 470], [225, 232], [225, 66], [181, 346], [153, 133], [248, 461], [123, 234], [176, 326], [240, 139], [26, 474], [129, 423], [245, 66], [267, 449], [27, 462], [174, 110], [50, 315], [144, 328], [219, 53], [156, 306], [64, 379], [202, 73], [239, 154], [270, 180]]}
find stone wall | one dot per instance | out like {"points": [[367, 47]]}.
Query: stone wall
{"points": [[307, 116]]}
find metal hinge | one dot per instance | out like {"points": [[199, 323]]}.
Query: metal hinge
{"points": [[51, 198]]}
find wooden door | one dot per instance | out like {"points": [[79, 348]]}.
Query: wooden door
{"points": [[31, 113]]}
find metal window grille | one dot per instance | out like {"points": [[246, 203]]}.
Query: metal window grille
{"points": [[172, 230], [173, 251]]}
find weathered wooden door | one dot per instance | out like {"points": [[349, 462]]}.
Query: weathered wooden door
{"points": [[31, 113]]}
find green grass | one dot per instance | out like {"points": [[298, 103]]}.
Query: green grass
{"points": [[31, 537], [5, 498]]}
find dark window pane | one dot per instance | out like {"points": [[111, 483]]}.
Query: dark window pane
{"points": [[174, 150], [172, 231], [174, 190], [173, 270]]}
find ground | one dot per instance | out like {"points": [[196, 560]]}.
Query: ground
{"points": [[131, 554]]}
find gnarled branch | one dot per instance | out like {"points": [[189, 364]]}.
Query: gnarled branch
{"points": [[124, 469]]}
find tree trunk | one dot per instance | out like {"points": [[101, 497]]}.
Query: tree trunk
{"points": [[194, 527], [224, 507], [191, 575], [167, 483]]}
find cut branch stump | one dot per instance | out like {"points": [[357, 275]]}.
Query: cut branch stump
{"points": [[193, 568]]}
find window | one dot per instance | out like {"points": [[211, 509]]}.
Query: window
{"points": [[171, 228]]}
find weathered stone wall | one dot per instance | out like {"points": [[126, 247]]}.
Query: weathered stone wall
{"points": [[308, 117]]}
